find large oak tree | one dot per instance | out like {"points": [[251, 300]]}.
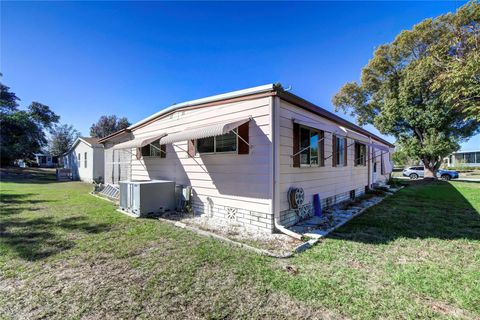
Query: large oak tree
{"points": [[424, 87], [107, 125]]}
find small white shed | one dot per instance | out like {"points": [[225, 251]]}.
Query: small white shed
{"points": [[85, 159]]}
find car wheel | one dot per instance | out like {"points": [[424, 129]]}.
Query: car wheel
{"points": [[446, 177], [413, 176]]}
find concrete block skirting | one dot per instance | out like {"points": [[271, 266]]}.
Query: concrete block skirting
{"points": [[290, 217], [248, 218]]}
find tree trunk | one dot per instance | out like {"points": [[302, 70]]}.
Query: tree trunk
{"points": [[430, 172]]}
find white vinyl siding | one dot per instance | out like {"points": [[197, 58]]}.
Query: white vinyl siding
{"points": [[222, 179]]}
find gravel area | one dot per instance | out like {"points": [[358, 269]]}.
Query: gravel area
{"points": [[277, 242]]}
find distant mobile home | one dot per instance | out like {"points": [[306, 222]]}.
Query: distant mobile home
{"points": [[46, 160], [243, 151], [86, 160], [463, 158]]}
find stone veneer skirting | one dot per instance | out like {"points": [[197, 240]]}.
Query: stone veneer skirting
{"points": [[290, 217], [247, 218]]}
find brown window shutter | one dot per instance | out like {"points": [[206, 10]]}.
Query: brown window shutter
{"points": [[334, 150], [191, 148], [321, 148], [382, 165], [243, 132], [296, 145], [345, 152], [163, 151], [364, 155]]}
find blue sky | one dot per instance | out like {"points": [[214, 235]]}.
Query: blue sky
{"points": [[87, 59]]}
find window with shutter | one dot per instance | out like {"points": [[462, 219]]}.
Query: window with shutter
{"points": [[310, 147], [155, 149], [225, 143], [360, 154]]}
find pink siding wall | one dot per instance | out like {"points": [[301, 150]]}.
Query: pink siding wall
{"points": [[218, 180], [328, 180]]}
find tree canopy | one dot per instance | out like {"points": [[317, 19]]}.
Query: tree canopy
{"points": [[107, 125], [424, 87], [61, 139], [22, 132]]}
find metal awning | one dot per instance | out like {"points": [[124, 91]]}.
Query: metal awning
{"points": [[211, 130], [379, 147], [139, 142], [355, 136], [322, 126]]}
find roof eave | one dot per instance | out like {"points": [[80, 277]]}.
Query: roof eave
{"points": [[296, 100]]}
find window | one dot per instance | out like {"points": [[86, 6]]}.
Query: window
{"points": [[219, 144], [340, 151], [477, 155], [311, 147], [79, 158], [360, 154], [154, 150], [469, 157], [85, 159]]}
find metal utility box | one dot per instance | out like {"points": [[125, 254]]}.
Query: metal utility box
{"points": [[147, 197]]}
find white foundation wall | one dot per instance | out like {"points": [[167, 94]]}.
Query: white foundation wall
{"points": [[221, 183], [332, 183]]}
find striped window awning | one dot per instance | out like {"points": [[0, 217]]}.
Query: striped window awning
{"points": [[206, 131], [139, 142]]}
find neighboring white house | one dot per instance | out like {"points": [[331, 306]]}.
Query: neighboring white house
{"points": [[463, 158], [85, 159], [242, 151], [46, 160]]}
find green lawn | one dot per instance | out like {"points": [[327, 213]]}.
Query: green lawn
{"points": [[66, 254]]}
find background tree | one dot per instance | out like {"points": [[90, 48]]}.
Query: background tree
{"points": [[107, 125], [22, 132], [423, 88], [8, 100], [61, 139], [401, 159]]}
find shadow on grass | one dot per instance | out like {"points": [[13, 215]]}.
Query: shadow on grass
{"points": [[39, 238], [422, 210], [11, 204], [28, 175]]}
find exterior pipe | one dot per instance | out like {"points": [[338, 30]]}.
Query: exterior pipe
{"points": [[275, 129]]}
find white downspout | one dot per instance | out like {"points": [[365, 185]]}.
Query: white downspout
{"points": [[275, 123]]}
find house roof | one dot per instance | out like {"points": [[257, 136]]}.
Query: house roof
{"points": [[90, 141], [260, 91], [113, 135], [466, 151]]}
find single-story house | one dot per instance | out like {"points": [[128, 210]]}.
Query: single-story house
{"points": [[463, 158], [85, 158], [252, 155], [46, 160]]}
